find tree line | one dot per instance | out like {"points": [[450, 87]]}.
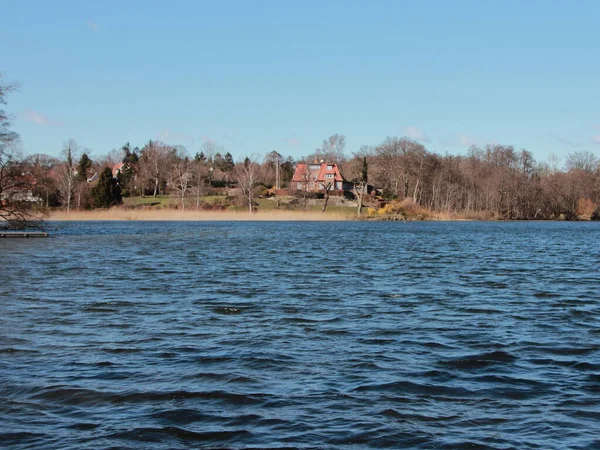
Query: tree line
{"points": [[492, 181]]}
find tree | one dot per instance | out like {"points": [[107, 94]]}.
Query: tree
{"points": [[127, 176], [225, 165], [331, 150], [84, 164], [154, 162], [288, 167], [360, 186], [107, 191], [18, 207], [327, 186], [583, 160], [247, 175], [181, 174], [42, 167], [273, 158], [68, 177]]}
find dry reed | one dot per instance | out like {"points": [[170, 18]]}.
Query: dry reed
{"points": [[194, 215]]}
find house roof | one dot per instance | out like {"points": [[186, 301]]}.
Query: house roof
{"points": [[316, 174], [117, 168], [333, 171]]}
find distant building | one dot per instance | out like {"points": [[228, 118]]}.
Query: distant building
{"points": [[316, 176], [21, 190], [117, 169]]}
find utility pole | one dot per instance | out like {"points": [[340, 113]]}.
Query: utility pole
{"points": [[277, 183]]}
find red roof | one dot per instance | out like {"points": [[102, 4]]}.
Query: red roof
{"points": [[116, 169], [316, 174]]}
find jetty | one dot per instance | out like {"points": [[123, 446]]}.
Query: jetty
{"points": [[22, 234]]}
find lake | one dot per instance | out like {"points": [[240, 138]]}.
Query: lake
{"points": [[450, 335]]}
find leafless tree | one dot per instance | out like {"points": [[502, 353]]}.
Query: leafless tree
{"points": [[18, 205], [247, 177], [17, 208], [582, 160], [332, 150], [181, 174], [154, 162], [327, 186], [68, 176]]}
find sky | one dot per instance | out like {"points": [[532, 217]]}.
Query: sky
{"points": [[257, 76]]}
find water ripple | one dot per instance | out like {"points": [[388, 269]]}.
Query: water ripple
{"points": [[301, 335]]}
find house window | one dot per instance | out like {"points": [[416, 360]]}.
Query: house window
{"points": [[329, 167], [329, 175]]}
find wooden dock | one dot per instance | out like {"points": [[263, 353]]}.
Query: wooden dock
{"points": [[22, 234]]}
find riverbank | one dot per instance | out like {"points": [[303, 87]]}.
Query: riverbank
{"points": [[195, 215]]}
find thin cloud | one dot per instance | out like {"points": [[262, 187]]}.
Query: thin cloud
{"points": [[168, 135], [92, 26], [417, 134], [39, 118], [291, 140], [468, 141], [564, 141], [596, 140]]}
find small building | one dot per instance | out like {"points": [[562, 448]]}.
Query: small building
{"points": [[316, 177], [20, 190], [117, 169]]}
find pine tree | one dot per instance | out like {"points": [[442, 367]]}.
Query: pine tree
{"points": [[85, 163], [107, 191]]}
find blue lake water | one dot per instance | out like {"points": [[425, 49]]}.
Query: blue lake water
{"points": [[301, 335]]}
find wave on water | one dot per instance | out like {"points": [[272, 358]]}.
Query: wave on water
{"points": [[301, 335]]}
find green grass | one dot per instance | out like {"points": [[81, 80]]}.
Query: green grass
{"points": [[264, 204], [212, 199], [161, 200]]}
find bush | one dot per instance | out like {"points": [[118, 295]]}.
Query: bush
{"points": [[349, 195]]}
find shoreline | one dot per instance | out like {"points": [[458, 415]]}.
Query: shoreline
{"points": [[116, 214], [166, 215]]}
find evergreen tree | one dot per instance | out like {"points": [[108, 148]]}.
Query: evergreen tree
{"points": [[85, 164], [229, 164], [107, 192]]}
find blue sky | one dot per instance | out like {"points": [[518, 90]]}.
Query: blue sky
{"points": [[257, 76]]}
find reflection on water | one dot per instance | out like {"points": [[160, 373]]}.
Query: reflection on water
{"points": [[418, 335]]}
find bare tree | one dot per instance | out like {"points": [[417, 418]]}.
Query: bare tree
{"points": [[247, 176], [17, 205], [181, 174], [68, 175], [306, 181], [583, 160], [327, 186], [154, 162], [333, 148]]}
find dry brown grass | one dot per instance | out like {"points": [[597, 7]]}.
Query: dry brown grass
{"points": [[193, 215]]}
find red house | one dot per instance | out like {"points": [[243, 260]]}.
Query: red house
{"points": [[316, 177]]}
